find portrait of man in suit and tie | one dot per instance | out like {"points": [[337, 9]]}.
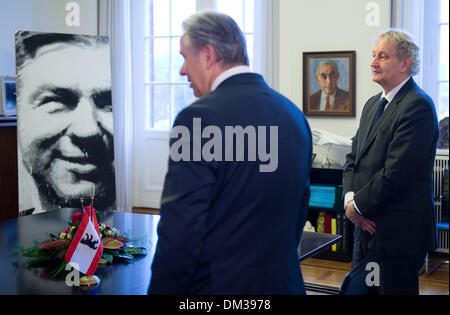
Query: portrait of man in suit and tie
{"points": [[330, 97], [328, 83]]}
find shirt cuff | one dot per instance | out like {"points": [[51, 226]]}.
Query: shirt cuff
{"points": [[349, 197]]}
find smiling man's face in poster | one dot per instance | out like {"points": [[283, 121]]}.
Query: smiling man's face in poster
{"points": [[65, 121]]}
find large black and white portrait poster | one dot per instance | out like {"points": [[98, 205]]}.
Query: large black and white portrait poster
{"points": [[64, 121]]}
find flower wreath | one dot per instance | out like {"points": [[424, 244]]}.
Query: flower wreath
{"points": [[51, 252]]}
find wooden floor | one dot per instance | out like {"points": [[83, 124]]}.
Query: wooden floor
{"points": [[331, 273]]}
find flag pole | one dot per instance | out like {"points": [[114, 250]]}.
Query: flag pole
{"points": [[92, 202]]}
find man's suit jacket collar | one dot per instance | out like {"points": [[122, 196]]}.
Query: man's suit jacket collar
{"points": [[388, 115], [244, 78]]}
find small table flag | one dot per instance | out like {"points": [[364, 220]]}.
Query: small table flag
{"points": [[86, 248]]}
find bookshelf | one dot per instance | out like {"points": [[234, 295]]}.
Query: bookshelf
{"points": [[326, 201]]}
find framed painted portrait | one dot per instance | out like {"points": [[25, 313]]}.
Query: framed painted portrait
{"points": [[329, 83]]}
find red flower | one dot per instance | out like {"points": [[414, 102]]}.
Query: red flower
{"points": [[76, 218], [55, 245]]}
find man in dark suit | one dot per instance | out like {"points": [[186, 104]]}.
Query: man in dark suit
{"points": [[330, 97], [388, 175], [228, 223]]}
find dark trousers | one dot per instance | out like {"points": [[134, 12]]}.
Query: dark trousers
{"points": [[400, 274], [375, 273]]}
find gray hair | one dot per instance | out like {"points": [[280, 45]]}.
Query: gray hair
{"points": [[325, 63], [404, 48], [221, 32]]}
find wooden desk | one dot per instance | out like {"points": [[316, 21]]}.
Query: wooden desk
{"points": [[133, 278]]}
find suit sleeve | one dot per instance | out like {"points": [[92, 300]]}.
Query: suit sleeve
{"points": [[185, 203], [349, 167], [412, 139]]}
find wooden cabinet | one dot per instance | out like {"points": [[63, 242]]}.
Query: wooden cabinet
{"points": [[8, 169]]}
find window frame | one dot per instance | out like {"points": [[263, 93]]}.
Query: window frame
{"points": [[440, 80], [148, 83], [431, 47]]}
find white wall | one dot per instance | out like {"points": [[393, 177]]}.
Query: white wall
{"points": [[328, 25], [39, 16]]}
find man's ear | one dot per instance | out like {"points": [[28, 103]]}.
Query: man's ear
{"points": [[406, 65], [210, 56], [317, 79]]}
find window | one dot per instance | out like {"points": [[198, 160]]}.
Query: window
{"points": [[427, 20], [166, 92], [443, 64], [242, 11]]}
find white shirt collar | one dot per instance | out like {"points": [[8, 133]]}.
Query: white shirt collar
{"points": [[227, 74], [390, 96]]}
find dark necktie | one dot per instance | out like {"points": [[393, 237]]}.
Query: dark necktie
{"points": [[380, 110]]}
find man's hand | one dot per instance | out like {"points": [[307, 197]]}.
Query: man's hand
{"points": [[358, 220]]}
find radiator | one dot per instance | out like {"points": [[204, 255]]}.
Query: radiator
{"points": [[440, 164]]}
